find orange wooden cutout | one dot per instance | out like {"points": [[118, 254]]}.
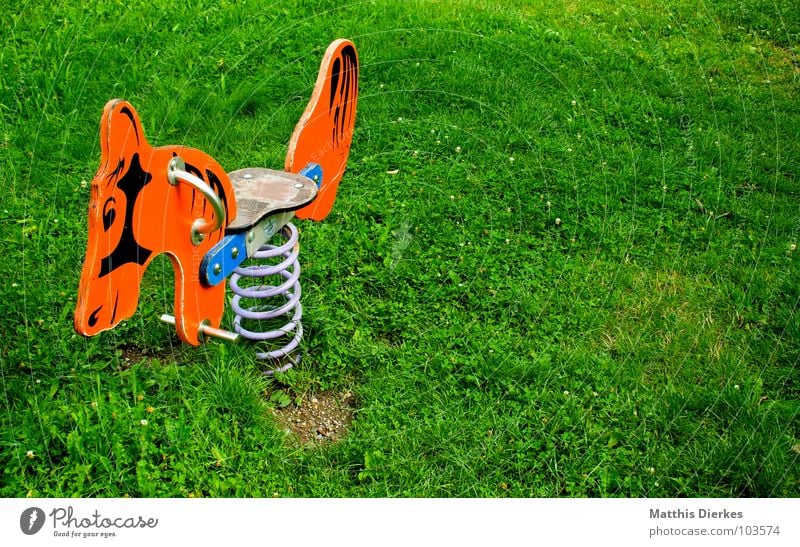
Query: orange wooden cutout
{"points": [[135, 214], [325, 130]]}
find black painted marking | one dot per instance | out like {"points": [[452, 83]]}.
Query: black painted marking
{"points": [[93, 317], [128, 249], [346, 92], [118, 169], [335, 135], [351, 60], [127, 111], [109, 214], [216, 185], [114, 312], [344, 88], [337, 65]]}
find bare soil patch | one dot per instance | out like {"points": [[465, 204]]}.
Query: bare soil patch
{"points": [[322, 418], [129, 355]]}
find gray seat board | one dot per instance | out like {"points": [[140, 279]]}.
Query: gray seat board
{"points": [[260, 192]]}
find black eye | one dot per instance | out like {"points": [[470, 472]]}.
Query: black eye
{"points": [[109, 214]]}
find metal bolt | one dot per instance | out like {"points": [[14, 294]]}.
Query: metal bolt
{"points": [[250, 237], [175, 164], [217, 268], [234, 252]]}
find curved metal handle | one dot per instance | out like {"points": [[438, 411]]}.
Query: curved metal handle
{"points": [[176, 172]]}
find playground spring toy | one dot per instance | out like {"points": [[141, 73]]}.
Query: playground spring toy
{"points": [[146, 201]]}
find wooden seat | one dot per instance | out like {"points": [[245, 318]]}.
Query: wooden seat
{"points": [[260, 192]]}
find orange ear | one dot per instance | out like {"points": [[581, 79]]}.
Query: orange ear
{"points": [[325, 130], [121, 131]]}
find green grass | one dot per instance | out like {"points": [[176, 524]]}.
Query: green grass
{"points": [[646, 345]]}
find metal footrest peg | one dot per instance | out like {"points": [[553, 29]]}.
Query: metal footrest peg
{"points": [[206, 329]]}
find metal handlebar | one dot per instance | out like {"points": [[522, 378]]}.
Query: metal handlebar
{"points": [[176, 172]]}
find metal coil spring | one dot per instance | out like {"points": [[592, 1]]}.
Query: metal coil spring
{"points": [[275, 300]]}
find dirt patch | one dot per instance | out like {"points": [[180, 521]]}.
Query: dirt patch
{"points": [[322, 418], [130, 355]]}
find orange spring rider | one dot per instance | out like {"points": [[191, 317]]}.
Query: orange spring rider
{"points": [[176, 200]]}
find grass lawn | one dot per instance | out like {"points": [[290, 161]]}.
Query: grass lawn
{"points": [[562, 261]]}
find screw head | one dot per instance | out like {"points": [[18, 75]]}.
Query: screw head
{"points": [[217, 268], [234, 252]]}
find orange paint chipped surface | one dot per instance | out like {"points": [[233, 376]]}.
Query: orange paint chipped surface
{"points": [[135, 214], [325, 130]]}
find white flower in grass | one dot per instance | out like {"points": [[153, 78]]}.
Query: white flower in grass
{"points": [[143, 421], [30, 455], [793, 246], [566, 393], [458, 149], [736, 386], [558, 222], [511, 159], [574, 102]]}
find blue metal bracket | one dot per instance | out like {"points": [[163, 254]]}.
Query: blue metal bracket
{"points": [[314, 172], [223, 258]]}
